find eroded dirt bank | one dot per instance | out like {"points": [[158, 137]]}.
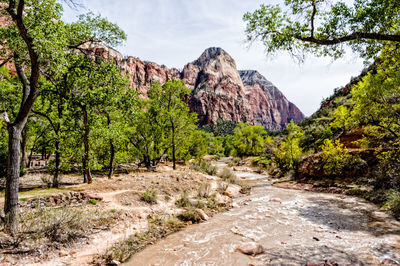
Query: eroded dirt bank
{"points": [[295, 227]]}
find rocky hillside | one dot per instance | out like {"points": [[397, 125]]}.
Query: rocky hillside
{"points": [[219, 90], [270, 107]]}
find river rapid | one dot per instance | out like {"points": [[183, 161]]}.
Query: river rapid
{"points": [[295, 227]]}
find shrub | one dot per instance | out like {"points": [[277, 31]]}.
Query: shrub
{"points": [[393, 203], [227, 175], [183, 201], [387, 174], [203, 190], [63, 225], [207, 168], [93, 201], [192, 215], [261, 162], [335, 157], [150, 196]]}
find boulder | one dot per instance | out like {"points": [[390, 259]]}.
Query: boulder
{"points": [[222, 200], [203, 215], [251, 248], [276, 200], [233, 190]]}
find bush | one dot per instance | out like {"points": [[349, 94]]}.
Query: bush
{"points": [[335, 157], [205, 167], [192, 215], [183, 202], [227, 175], [204, 190], [393, 203], [150, 196], [124, 249], [387, 174], [261, 162], [63, 225]]}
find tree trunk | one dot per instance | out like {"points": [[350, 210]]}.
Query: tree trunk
{"points": [[24, 155], [29, 96], [173, 151], [147, 162], [57, 167], [12, 180], [112, 152], [83, 170], [112, 156], [173, 146], [86, 167]]}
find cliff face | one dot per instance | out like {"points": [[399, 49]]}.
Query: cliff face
{"points": [[270, 107], [219, 90]]}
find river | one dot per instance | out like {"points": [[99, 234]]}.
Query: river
{"points": [[294, 226]]}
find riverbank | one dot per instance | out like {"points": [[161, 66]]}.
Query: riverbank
{"points": [[79, 224]]}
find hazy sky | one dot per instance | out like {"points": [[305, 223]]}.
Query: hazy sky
{"points": [[175, 32]]}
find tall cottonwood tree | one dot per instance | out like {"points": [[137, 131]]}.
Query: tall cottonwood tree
{"points": [[35, 41], [95, 88], [170, 99], [34, 38]]}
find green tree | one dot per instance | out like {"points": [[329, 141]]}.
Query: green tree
{"points": [[341, 118], [288, 154], [146, 133], [95, 86], [376, 98], [35, 41], [35, 38], [179, 122], [335, 157], [321, 26], [198, 144], [249, 140]]}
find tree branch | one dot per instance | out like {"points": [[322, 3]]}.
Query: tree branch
{"points": [[312, 18], [352, 37], [47, 117], [6, 61], [27, 103]]}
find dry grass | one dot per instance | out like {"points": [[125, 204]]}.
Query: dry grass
{"points": [[227, 175], [150, 196], [51, 227], [123, 250]]}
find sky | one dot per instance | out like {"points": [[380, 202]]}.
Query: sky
{"points": [[176, 32]]}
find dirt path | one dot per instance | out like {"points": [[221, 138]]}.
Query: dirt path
{"points": [[295, 227], [99, 243]]}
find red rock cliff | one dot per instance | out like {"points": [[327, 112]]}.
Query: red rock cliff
{"points": [[219, 90], [270, 107]]}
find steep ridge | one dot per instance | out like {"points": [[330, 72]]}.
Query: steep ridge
{"points": [[270, 107]]}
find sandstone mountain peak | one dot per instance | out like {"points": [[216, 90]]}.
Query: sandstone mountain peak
{"points": [[214, 53]]}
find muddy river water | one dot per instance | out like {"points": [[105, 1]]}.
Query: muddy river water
{"points": [[295, 227]]}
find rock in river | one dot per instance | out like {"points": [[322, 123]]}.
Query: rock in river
{"points": [[251, 248]]}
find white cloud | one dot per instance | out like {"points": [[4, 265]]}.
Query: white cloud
{"points": [[175, 32]]}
